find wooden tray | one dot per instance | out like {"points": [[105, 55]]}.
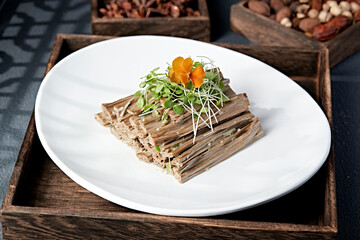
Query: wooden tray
{"points": [[42, 202], [188, 27], [265, 31]]}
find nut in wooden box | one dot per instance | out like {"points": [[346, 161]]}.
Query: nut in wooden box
{"points": [[194, 27], [265, 31]]}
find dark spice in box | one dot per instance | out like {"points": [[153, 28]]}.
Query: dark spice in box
{"points": [[148, 8]]}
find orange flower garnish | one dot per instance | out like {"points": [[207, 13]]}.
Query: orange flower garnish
{"points": [[197, 76], [180, 72]]}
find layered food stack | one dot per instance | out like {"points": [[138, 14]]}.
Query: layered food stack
{"points": [[178, 130]]}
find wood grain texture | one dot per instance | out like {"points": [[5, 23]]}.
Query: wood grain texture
{"points": [[189, 27], [42, 202], [73, 227], [330, 219], [344, 44], [265, 31]]}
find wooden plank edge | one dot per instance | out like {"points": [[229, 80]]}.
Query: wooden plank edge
{"points": [[75, 42], [152, 19], [72, 36], [235, 46], [19, 165], [63, 37], [203, 8], [94, 11], [330, 213], [55, 51], [344, 44], [144, 217]]}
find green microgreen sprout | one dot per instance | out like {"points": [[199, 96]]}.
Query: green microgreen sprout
{"points": [[159, 95], [168, 167]]}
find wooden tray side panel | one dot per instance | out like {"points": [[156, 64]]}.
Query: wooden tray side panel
{"points": [[77, 41], [344, 44], [94, 10], [187, 27], [330, 186], [72, 227]]}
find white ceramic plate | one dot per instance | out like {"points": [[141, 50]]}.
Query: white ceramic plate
{"points": [[295, 144]]}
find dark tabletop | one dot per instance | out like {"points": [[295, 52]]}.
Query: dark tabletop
{"points": [[27, 32]]}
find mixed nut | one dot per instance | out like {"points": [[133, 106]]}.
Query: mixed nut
{"points": [[148, 8], [319, 19]]}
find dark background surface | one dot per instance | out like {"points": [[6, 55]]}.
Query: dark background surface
{"points": [[27, 32]]}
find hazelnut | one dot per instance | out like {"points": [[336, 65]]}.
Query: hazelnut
{"points": [[259, 7], [300, 15], [308, 24], [313, 13], [286, 22], [325, 7], [354, 7], [335, 11], [332, 3], [276, 5], [347, 14], [345, 6], [283, 13], [324, 16], [296, 22], [316, 4], [293, 6], [287, 2], [357, 15], [329, 16], [303, 8]]}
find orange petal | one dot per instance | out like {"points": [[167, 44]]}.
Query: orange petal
{"points": [[183, 78], [187, 65], [172, 76], [197, 76], [177, 64], [178, 77]]}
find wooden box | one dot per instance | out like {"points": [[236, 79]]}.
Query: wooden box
{"points": [[265, 31], [43, 203], [188, 27]]}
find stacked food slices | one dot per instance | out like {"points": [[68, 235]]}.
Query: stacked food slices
{"points": [[176, 146]]}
